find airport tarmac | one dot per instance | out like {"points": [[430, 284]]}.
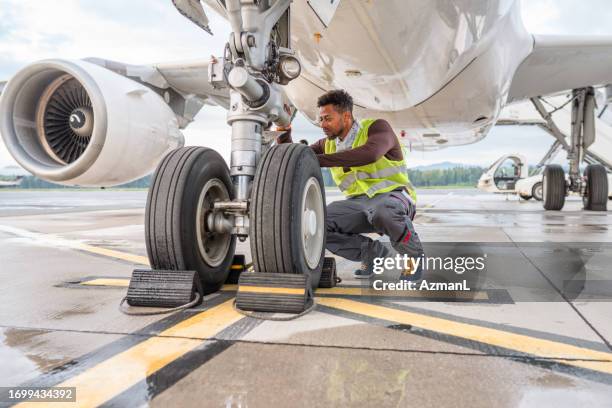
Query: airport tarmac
{"points": [[525, 336]]}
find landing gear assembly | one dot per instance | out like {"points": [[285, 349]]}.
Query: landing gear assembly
{"points": [[197, 207], [593, 184]]}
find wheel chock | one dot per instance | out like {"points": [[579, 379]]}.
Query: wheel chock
{"points": [[274, 292], [328, 273], [237, 267], [163, 288]]}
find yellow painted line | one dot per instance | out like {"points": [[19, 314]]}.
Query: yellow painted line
{"points": [[476, 295], [115, 375], [56, 241], [125, 282], [559, 352], [111, 253], [107, 282], [479, 295], [266, 289]]}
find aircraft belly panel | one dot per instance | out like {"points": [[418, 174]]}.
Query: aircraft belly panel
{"points": [[393, 54]]}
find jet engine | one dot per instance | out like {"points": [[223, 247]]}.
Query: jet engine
{"points": [[76, 123]]}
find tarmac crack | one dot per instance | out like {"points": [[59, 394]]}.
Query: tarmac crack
{"points": [[323, 346]]}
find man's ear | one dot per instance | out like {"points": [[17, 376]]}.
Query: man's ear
{"points": [[347, 116]]}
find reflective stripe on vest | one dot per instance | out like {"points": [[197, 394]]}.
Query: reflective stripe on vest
{"points": [[362, 175], [380, 186]]}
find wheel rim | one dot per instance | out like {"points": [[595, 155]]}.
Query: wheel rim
{"points": [[213, 246], [585, 197], [312, 212], [538, 192]]}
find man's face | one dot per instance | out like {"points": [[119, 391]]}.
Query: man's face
{"points": [[332, 122]]}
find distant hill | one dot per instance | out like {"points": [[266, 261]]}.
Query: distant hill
{"points": [[441, 166], [13, 171]]}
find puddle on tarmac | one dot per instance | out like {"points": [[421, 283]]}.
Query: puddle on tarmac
{"points": [[23, 356]]}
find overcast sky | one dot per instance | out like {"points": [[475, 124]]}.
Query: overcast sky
{"points": [[145, 31]]}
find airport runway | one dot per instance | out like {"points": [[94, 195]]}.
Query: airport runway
{"points": [[535, 331]]}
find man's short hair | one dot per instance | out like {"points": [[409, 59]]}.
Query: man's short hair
{"points": [[342, 101]]}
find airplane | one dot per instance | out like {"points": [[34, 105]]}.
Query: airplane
{"points": [[439, 72], [11, 183]]}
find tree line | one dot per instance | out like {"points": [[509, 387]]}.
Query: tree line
{"points": [[461, 176], [457, 176], [34, 182]]}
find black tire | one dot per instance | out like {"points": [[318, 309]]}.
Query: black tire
{"points": [[537, 191], [553, 184], [596, 194], [276, 212], [171, 233], [525, 197]]}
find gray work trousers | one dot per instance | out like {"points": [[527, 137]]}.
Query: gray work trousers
{"points": [[390, 214]]}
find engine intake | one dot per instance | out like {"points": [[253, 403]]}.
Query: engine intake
{"points": [[76, 123], [64, 119]]}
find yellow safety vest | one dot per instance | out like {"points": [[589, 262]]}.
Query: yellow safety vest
{"points": [[382, 176]]}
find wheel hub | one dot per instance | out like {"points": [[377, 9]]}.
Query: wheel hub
{"points": [[212, 244], [312, 222]]}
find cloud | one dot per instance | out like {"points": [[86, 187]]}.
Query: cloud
{"points": [[567, 17], [138, 31]]}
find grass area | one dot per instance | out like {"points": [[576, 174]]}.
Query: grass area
{"points": [[451, 186]]}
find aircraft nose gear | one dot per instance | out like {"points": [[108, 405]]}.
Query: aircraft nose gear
{"points": [[197, 207]]}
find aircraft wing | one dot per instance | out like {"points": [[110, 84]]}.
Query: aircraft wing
{"points": [[188, 80], [561, 63]]}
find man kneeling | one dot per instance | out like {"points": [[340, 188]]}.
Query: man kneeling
{"points": [[367, 164]]}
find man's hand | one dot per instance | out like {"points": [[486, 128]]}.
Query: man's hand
{"points": [[284, 137]]}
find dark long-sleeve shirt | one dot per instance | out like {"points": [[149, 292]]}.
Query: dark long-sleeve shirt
{"points": [[382, 141]]}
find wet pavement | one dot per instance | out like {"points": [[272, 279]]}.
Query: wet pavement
{"points": [[535, 330]]}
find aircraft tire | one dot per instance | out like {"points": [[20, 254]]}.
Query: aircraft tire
{"points": [[287, 213], [185, 184], [596, 195], [553, 187]]}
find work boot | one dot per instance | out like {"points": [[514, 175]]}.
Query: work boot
{"points": [[417, 275], [364, 272], [410, 245], [367, 266]]}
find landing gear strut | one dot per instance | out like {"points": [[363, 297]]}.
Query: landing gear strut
{"points": [[593, 185], [276, 198]]}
